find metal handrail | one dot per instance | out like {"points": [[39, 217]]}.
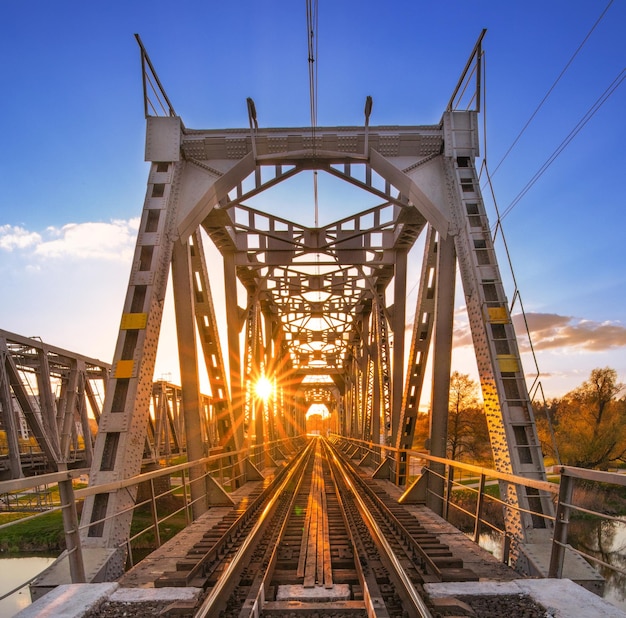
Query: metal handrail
{"points": [[74, 553], [562, 492]]}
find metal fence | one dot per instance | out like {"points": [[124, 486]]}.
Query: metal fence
{"points": [[456, 476], [227, 470]]}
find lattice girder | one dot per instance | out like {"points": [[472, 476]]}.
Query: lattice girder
{"points": [[319, 284]]}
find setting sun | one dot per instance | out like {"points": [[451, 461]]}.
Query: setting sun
{"points": [[263, 388]]}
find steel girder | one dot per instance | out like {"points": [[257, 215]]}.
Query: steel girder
{"points": [[46, 397], [319, 287], [508, 408], [166, 422]]}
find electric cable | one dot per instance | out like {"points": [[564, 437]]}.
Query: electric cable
{"points": [[556, 81], [312, 44], [589, 114]]}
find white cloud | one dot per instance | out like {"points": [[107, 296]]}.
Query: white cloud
{"points": [[76, 278], [15, 237], [101, 241], [114, 240], [553, 331]]}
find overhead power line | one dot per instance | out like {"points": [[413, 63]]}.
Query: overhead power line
{"points": [[311, 25], [312, 42], [572, 134], [556, 81]]}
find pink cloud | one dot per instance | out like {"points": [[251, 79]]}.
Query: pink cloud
{"points": [[551, 331]]}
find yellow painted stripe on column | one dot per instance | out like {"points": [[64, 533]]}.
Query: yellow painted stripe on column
{"points": [[508, 363], [498, 315], [124, 369], [134, 321]]}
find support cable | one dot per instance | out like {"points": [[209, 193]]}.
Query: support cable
{"points": [[500, 216], [312, 44], [556, 81], [151, 79], [536, 387], [603, 98]]}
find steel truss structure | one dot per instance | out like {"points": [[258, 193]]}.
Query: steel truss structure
{"points": [[51, 401], [47, 396], [302, 301]]}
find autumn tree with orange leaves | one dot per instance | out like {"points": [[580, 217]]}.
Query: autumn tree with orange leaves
{"points": [[588, 423], [468, 436]]}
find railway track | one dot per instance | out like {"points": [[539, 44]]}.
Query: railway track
{"points": [[319, 540]]}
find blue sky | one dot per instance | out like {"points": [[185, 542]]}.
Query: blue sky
{"points": [[73, 176]]}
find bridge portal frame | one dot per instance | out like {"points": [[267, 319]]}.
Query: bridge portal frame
{"points": [[198, 186]]}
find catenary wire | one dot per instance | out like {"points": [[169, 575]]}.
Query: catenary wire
{"points": [[556, 81], [312, 43], [603, 98]]}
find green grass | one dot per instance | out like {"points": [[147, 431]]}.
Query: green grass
{"points": [[142, 519], [43, 533]]}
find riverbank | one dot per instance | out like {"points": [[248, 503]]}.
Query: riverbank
{"points": [[45, 533]]}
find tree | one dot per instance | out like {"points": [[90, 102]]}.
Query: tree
{"points": [[590, 422], [545, 417], [598, 392], [468, 436]]}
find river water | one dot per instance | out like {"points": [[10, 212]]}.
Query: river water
{"points": [[605, 541], [13, 572]]}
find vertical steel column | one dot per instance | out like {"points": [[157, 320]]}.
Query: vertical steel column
{"points": [[561, 524], [119, 448], [188, 360], [81, 405], [375, 377], [68, 410], [255, 350], [363, 401], [508, 409], [233, 324], [397, 327], [206, 322], [423, 320], [269, 365], [9, 418], [70, 525], [444, 323], [383, 365], [47, 401]]}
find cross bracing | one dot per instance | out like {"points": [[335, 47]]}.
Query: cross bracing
{"points": [[47, 395], [51, 402], [327, 300]]}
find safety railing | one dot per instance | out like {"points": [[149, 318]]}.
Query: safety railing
{"points": [[566, 509], [64, 483], [367, 453], [457, 479], [227, 469]]}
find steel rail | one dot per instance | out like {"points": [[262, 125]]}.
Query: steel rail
{"points": [[253, 603], [208, 607], [365, 587], [429, 563], [416, 601], [234, 529]]}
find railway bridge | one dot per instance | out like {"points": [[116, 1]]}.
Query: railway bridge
{"points": [[315, 314]]}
